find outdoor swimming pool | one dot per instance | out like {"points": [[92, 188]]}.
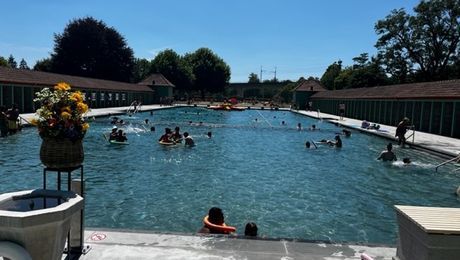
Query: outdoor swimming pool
{"points": [[255, 170]]}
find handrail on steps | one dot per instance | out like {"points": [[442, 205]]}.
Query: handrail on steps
{"points": [[457, 158]]}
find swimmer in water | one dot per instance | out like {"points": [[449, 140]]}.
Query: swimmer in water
{"points": [[387, 155]]}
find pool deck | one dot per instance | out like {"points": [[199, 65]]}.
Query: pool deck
{"points": [[446, 146], [114, 244]]}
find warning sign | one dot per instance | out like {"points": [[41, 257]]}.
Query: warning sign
{"points": [[98, 236]]}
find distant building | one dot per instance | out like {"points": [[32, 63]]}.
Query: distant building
{"points": [[19, 86], [253, 90], [162, 86], [432, 107], [303, 92]]}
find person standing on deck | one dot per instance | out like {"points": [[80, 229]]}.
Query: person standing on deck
{"points": [[401, 130], [13, 115]]}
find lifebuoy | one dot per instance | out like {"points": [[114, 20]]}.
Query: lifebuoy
{"points": [[223, 228]]}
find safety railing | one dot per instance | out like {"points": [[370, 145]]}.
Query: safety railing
{"points": [[457, 159]]}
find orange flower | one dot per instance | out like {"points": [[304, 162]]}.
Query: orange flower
{"points": [[85, 126], [82, 107], [65, 115], [62, 86], [76, 96], [34, 122], [66, 109]]}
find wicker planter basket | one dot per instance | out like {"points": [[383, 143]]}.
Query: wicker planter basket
{"points": [[61, 153]]}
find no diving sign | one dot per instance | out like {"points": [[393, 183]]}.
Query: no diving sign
{"points": [[98, 236]]}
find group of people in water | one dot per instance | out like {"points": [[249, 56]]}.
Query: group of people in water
{"points": [[9, 120], [117, 135], [214, 223]]}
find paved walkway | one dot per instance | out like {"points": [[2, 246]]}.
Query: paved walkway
{"points": [[447, 146], [111, 244]]}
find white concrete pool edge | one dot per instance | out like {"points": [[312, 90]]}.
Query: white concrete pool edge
{"points": [[117, 244], [442, 145]]}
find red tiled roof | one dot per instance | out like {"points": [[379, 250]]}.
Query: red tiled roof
{"points": [[39, 79], [157, 79], [310, 85], [448, 89]]}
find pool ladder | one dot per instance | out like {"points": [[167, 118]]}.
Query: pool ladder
{"points": [[134, 107], [457, 158]]}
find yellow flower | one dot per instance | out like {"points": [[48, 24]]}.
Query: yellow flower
{"points": [[34, 122], [76, 96], [65, 115], [66, 109], [62, 86], [85, 126], [82, 107]]}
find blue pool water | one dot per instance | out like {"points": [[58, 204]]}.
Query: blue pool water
{"points": [[255, 170]]}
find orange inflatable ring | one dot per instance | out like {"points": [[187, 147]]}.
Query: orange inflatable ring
{"points": [[223, 228]]}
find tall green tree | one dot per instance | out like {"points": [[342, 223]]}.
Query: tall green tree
{"points": [[90, 48], [23, 65], [426, 42], [211, 72], [363, 74], [3, 62], [12, 62], [331, 73], [141, 70], [43, 65], [174, 68], [253, 78]]}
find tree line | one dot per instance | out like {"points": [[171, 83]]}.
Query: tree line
{"points": [[419, 47], [89, 48]]}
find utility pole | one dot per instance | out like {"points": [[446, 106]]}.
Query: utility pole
{"points": [[275, 73], [260, 78]]}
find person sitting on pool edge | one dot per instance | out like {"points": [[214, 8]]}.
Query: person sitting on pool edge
{"points": [[388, 155], [166, 137], [216, 217], [250, 229], [188, 139]]}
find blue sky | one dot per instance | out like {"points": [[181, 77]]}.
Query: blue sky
{"points": [[300, 38]]}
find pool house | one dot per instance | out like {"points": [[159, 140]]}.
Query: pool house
{"points": [[432, 107], [19, 86]]}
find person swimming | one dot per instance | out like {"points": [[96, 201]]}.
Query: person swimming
{"points": [[387, 155], [308, 145], [209, 134], [188, 139]]}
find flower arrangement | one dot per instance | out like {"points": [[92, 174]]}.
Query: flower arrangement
{"points": [[61, 113]]}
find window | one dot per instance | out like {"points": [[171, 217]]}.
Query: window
{"points": [[93, 96], [123, 96], [83, 95], [110, 96], [117, 96], [102, 96]]}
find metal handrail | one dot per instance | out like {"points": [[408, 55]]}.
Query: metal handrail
{"points": [[446, 162], [23, 119], [412, 127]]}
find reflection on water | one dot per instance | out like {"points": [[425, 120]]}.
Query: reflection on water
{"points": [[255, 170]]}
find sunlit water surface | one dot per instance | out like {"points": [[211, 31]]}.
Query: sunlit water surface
{"points": [[253, 167]]}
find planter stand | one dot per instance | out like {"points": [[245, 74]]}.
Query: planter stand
{"points": [[75, 237]]}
